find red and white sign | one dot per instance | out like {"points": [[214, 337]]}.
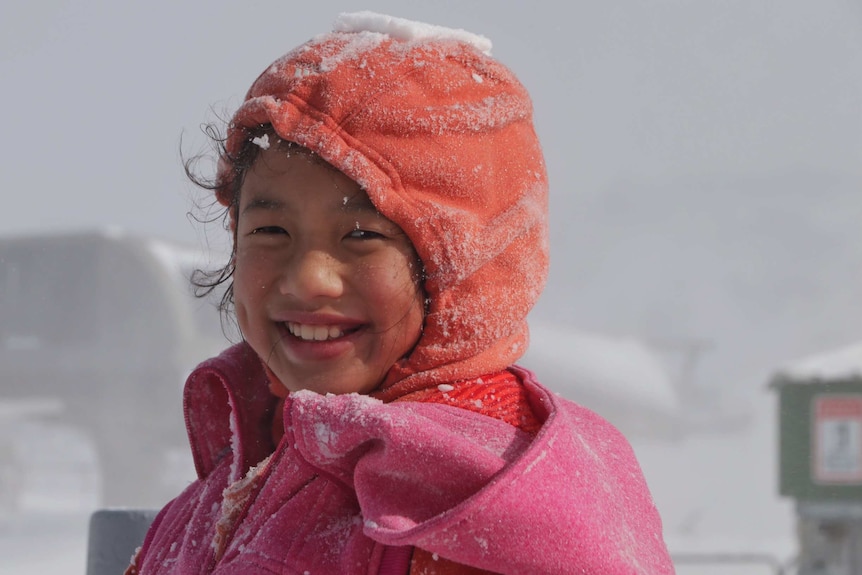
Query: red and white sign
{"points": [[837, 439]]}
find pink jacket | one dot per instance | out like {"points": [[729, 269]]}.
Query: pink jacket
{"points": [[356, 482]]}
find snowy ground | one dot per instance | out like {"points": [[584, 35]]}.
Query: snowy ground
{"points": [[42, 542], [717, 495], [46, 529]]}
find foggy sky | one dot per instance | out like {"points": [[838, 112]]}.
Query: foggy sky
{"points": [[97, 94]]}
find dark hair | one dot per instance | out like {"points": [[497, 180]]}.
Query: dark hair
{"points": [[230, 180]]}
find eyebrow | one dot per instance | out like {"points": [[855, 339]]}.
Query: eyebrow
{"points": [[263, 203], [358, 203]]}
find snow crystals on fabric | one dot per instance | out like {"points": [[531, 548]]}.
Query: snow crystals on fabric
{"points": [[261, 141], [233, 503], [234, 445], [324, 436], [408, 30], [351, 51], [352, 409]]}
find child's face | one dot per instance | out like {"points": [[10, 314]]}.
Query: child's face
{"points": [[326, 289]]}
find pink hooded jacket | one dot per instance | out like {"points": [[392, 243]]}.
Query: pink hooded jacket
{"points": [[356, 482]]}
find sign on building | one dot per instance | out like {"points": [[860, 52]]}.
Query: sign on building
{"points": [[837, 439]]}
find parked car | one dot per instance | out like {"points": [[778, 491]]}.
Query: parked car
{"points": [[106, 325]]}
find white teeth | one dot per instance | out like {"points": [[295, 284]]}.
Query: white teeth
{"points": [[314, 332], [321, 332], [306, 332]]}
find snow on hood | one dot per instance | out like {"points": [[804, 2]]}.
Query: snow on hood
{"points": [[408, 30]]}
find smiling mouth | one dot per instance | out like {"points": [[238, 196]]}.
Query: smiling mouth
{"points": [[308, 332]]}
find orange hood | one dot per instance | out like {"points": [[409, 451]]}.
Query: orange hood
{"points": [[441, 138]]}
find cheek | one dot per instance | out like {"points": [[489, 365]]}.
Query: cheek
{"points": [[240, 284], [394, 291], [390, 282], [248, 288], [249, 274]]}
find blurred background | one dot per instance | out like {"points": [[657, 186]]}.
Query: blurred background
{"points": [[704, 159]]}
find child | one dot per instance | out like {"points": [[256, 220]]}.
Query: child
{"points": [[388, 202]]}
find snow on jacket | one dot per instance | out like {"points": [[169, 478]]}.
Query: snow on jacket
{"points": [[354, 481]]}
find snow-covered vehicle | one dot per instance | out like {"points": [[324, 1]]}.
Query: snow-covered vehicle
{"points": [[105, 325], [628, 382]]}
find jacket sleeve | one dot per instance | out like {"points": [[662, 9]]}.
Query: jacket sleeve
{"points": [[479, 492]]}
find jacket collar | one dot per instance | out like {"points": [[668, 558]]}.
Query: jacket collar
{"points": [[228, 407]]}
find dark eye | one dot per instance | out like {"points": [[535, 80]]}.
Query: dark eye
{"points": [[364, 235], [268, 230]]}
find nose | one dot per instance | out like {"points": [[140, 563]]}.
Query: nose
{"points": [[312, 274]]}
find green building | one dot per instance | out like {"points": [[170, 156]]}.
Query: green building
{"points": [[820, 457]]}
